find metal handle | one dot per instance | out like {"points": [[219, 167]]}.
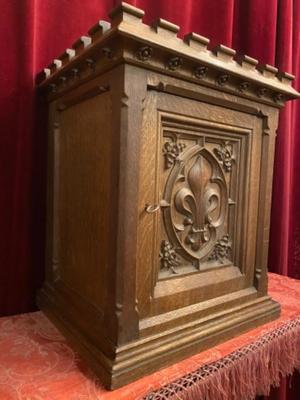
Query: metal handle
{"points": [[152, 208]]}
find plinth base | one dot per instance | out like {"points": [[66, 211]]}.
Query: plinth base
{"points": [[144, 356]]}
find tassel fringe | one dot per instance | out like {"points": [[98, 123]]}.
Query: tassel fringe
{"points": [[244, 373]]}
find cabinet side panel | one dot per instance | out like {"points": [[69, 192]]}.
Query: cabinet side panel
{"points": [[84, 197]]}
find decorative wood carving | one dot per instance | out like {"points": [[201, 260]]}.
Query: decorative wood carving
{"points": [[221, 249], [174, 63], [272, 81], [159, 183], [144, 53], [200, 71], [168, 257], [261, 92], [107, 52], [171, 151], [225, 154], [222, 79], [197, 192], [244, 86]]}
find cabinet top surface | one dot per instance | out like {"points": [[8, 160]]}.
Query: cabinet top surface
{"points": [[156, 47]]}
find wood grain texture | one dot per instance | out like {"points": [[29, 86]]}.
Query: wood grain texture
{"points": [[159, 195]]}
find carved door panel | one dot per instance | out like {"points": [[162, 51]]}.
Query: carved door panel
{"points": [[200, 167]]}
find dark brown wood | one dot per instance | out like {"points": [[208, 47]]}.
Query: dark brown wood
{"points": [[159, 193]]}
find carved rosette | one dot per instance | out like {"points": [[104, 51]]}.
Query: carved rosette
{"points": [[91, 63], [224, 153], [244, 86], [174, 63], [171, 151], [107, 52], [144, 53], [278, 97], [261, 92], [197, 193], [200, 71], [222, 79]]}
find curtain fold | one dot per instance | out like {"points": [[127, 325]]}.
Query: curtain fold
{"points": [[34, 32], [16, 173], [282, 224]]}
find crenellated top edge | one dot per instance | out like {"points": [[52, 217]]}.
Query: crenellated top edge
{"points": [[67, 56], [267, 70], [225, 53], [247, 62], [285, 77], [220, 64], [97, 30], [55, 65], [196, 41], [161, 25], [125, 12], [80, 44]]}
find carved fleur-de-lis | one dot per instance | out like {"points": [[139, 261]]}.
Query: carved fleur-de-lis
{"points": [[225, 155], [196, 202], [221, 249], [196, 190], [171, 151], [168, 257]]}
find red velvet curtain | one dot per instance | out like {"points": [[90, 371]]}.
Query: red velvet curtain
{"points": [[35, 31]]}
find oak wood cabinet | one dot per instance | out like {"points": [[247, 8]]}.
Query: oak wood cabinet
{"points": [[159, 192]]}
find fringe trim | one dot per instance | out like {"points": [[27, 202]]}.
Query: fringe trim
{"points": [[244, 373]]}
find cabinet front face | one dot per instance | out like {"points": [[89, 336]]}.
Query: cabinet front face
{"points": [[200, 172]]}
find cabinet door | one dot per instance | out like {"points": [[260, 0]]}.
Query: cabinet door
{"points": [[198, 205]]}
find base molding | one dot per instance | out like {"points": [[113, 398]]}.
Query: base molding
{"points": [[144, 356]]}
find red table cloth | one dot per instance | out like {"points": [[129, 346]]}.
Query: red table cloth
{"points": [[36, 363]]}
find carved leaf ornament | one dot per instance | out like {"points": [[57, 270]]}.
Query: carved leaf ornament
{"points": [[168, 257], [225, 155], [171, 151]]}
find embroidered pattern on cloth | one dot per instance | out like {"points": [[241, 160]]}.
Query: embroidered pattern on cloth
{"points": [[243, 373], [37, 363]]}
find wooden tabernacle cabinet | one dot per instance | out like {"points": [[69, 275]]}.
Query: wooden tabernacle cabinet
{"points": [[159, 191]]}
